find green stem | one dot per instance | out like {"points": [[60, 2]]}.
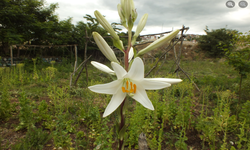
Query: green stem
{"points": [[126, 60], [122, 123]]}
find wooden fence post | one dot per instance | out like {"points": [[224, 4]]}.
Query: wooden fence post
{"points": [[75, 58], [11, 55]]}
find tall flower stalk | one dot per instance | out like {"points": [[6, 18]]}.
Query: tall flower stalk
{"points": [[130, 80]]}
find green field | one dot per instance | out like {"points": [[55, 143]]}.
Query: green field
{"points": [[39, 110]]}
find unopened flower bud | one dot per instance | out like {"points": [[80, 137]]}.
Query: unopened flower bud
{"points": [[140, 27], [158, 43], [106, 25], [104, 47], [121, 14], [102, 67]]}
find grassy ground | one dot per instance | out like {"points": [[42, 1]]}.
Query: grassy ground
{"points": [[45, 113]]}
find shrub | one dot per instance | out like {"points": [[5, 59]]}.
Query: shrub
{"points": [[211, 42]]}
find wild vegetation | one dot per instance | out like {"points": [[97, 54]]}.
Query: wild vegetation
{"points": [[39, 110]]}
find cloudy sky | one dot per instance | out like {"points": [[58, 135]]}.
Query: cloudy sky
{"points": [[164, 14]]}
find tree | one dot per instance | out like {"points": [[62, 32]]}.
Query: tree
{"points": [[210, 42], [62, 33], [83, 30], [25, 20], [239, 58]]}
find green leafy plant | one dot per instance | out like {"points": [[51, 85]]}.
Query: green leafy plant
{"points": [[26, 113], [35, 139], [43, 113], [244, 114], [220, 123], [63, 126], [242, 137], [20, 68], [50, 72], [5, 105], [104, 138]]}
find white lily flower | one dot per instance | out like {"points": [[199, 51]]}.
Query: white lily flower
{"points": [[131, 83], [102, 67], [104, 47]]}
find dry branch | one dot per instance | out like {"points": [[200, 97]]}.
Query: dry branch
{"points": [[161, 57], [70, 83]]}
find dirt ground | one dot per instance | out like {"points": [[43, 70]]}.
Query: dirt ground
{"points": [[189, 51]]}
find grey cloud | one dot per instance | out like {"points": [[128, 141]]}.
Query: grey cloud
{"points": [[195, 14]]}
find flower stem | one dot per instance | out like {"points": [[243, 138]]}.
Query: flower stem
{"points": [[122, 124], [126, 60], [127, 50]]}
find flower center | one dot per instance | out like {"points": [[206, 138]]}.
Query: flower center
{"points": [[129, 88]]}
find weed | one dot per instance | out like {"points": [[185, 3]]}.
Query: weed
{"points": [[35, 139], [5, 106], [26, 113]]}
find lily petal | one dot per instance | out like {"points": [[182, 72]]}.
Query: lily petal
{"points": [[142, 97], [167, 80], [149, 84], [108, 88], [119, 70], [102, 67], [114, 103], [136, 71]]}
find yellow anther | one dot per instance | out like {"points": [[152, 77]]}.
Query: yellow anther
{"points": [[129, 89], [123, 89], [134, 88]]}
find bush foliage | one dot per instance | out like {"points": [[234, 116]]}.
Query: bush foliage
{"points": [[211, 42]]}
